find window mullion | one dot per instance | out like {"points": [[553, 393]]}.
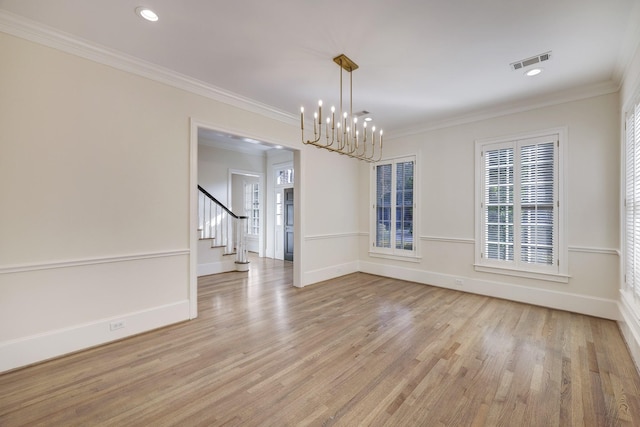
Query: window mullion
{"points": [[394, 205]]}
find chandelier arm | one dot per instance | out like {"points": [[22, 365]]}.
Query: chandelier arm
{"points": [[343, 139], [364, 145], [330, 149]]}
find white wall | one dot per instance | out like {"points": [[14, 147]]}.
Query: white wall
{"points": [[446, 190], [214, 165], [95, 218], [95, 184], [331, 241]]}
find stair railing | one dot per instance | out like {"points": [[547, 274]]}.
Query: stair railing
{"points": [[228, 230]]}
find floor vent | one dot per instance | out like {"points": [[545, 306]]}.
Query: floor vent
{"points": [[531, 61]]}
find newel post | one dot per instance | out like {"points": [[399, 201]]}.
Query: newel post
{"points": [[242, 263]]}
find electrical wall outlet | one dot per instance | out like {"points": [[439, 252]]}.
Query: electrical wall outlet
{"points": [[119, 324], [459, 282]]}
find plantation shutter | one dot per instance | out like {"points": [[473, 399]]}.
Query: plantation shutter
{"points": [[632, 201], [520, 204], [537, 199], [404, 206], [498, 204], [383, 206]]}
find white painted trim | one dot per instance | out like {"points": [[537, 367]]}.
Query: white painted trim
{"points": [[261, 196], [554, 272], [593, 306], [448, 239], [332, 236], [594, 250], [39, 33], [629, 324], [391, 252], [586, 249], [408, 258], [217, 267], [514, 272], [327, 273], [193, 218], [571, 95], [90, 261], [36, 348]]}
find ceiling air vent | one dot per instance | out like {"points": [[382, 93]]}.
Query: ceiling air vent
{"points": [[530, 61]]}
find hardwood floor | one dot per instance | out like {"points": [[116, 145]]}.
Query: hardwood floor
{"points": [[357, 350]]}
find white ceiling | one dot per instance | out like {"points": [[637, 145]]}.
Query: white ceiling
{"points": [[422, 62]]}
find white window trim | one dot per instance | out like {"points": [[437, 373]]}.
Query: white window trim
{"points": [[487, 266], [393, 253], [629, 292], [248, 207]]}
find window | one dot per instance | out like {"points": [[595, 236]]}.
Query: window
{"points": [[519, 198], [632, 202], [284, 176], [252, 207], [394, 207]]}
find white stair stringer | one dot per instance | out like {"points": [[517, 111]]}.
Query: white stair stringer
{"points": [[212, 259]]}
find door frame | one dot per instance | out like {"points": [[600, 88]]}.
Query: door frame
{"points": [[260, 177], [278, 235], [192, 191], [285, 221]]}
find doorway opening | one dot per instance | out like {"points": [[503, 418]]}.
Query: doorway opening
{"points": [[218, 157]]}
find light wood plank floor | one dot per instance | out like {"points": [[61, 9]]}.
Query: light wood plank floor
{"points": [[357, 350]]}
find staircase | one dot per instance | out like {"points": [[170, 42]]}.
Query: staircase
{"points": [[222, 242]]}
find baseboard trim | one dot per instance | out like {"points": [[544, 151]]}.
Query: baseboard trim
{"points": [[322, 274], [37, 348], [592, 306], [216, 267], [629, 325]]}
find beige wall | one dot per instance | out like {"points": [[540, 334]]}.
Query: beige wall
{"points": [[95, 218], [214, 165], [446, 218], [94, 180]]}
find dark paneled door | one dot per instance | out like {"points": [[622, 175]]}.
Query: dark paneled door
{"points": [[288, 224]]}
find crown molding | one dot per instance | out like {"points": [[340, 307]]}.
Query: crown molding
{"points": [[18, 26], [575, 94]]}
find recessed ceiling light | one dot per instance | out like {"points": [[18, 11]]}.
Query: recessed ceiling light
{"points": [[147, 14], [533, 72], [367, 119]]}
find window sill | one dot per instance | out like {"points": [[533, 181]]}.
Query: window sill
{"points": [[406, 258], [549, 277]]}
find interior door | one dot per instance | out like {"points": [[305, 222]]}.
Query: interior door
{"points": [[288, 224]]}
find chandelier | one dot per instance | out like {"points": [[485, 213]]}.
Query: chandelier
{"points": [[343, 135]]}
